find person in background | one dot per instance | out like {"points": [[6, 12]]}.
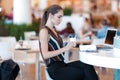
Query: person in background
{"points": [[118, 31], [86, 31], [68, 30], [103, 29], [51, 47], [9, 17], [91, 20]]}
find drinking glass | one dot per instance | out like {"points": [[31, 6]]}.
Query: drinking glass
{"points": [[73, 38], [21, 43]]}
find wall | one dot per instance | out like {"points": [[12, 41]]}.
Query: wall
{"points": [[7, 5]]}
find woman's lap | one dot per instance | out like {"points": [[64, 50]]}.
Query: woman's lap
{"points": [[69, 73], [89, 71], [75, 71]]}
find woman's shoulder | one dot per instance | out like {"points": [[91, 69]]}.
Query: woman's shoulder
{"points": [[44, 33], [43, 30]]}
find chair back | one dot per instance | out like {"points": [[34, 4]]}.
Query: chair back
{"points": [[28, 34], [5, 51], [11, 40], [34, 44]]}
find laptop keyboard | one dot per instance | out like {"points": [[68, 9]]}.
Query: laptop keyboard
{"points": [[104, 47]]}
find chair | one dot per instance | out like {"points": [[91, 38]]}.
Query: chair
{"points": [[116, 74], [66, 56], [10, 39], [47, 76], [5, 51], [22, 58], [28, 34]]}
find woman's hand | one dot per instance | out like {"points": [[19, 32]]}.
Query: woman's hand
{"points": [[70, 45], [89, 33]]}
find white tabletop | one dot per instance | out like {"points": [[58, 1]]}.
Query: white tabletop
{"points": [[102, 58]]}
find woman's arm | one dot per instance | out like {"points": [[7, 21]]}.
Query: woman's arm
{"points": [[82, 36], [44, 37]]}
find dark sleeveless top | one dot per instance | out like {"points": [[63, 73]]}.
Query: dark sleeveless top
{"points": [[54, 43]]}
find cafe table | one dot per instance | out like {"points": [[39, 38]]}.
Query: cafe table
{"points": [[102, 58]]}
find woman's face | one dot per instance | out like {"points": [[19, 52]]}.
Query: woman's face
{"points": [[57, 18]]}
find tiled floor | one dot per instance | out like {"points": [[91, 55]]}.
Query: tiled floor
{"points": [[28, 71], [105, 73]]}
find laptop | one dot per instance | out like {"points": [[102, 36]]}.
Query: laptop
{"points": [[108, 42]]}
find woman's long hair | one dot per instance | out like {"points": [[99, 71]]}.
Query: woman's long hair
{"points": [[53, 10]]}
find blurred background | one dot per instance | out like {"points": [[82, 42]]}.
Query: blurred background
{"points": [[28, 13], [21, 19]]}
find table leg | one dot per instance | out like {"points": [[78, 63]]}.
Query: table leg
{"points": [[37, 67], [66, 56]]}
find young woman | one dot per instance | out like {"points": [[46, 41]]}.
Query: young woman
{"points": [[52, 50], [86, 32]]}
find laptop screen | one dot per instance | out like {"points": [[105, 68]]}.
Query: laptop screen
{"points": [[110, 36]]}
